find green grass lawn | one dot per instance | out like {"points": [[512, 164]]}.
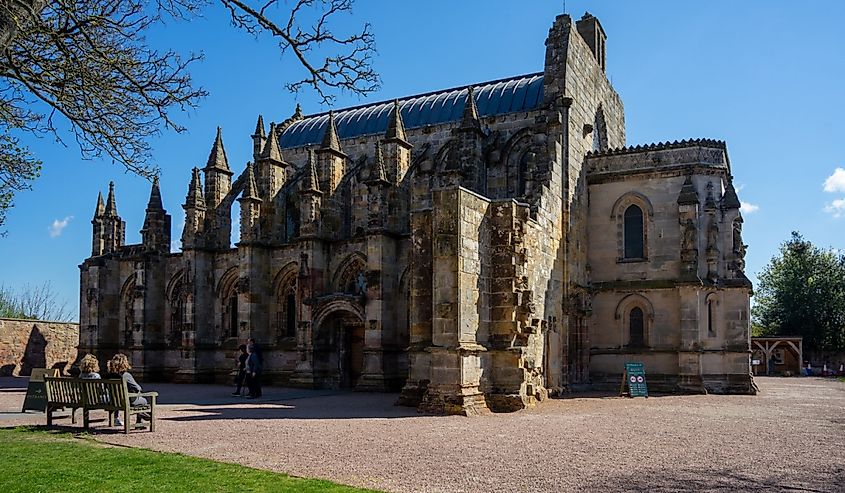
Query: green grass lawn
{"points": [[39, 461]]}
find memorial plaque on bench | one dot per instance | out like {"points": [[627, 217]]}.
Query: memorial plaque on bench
{"points": [[36, 391]]}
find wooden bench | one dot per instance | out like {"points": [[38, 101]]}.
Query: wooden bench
{"points": [[90, 394]]}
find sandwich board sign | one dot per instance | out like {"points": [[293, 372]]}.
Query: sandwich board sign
{"points": [[634, 379], [36, 390]]}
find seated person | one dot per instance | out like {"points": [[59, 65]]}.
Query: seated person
{"points": [[120, 366], [89, 367]]}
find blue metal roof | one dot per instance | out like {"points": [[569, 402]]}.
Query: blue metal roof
{"points": [[521, 93]]}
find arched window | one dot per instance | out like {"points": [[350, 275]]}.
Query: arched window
{"points": [[178, 308], [522, 174], [285, 300], [229, 304], [350, 277], [231, 315], [633, 231], [636, 327]]}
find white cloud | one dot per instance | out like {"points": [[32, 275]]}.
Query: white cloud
{"points": [[747, 208], [836, 208], [835, 182], [57, 227]]}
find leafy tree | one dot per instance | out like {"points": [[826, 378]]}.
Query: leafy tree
{"points": [[86, 65], [802, 293], [33, 303]]}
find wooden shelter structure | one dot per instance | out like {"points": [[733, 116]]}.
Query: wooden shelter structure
{"points": [[777, 355]]}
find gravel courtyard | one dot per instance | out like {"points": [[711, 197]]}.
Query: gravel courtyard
{"points": [[790, 437]]}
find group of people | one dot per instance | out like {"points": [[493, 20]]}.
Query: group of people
{"points": [[117, 367], [248, 366]]}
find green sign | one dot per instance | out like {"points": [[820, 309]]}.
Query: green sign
{"points": [[36, 390], [635, 380]]}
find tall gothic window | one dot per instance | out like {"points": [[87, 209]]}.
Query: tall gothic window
{"points": [[636, 327], [286, 307], [633, 232], [522, 175], [711, 317], [230, 312], [290, 312], [178, 311]]}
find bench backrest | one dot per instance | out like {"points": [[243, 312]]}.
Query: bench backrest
{"points": [[89, 393]]}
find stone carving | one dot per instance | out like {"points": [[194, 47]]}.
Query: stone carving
{"points": [[713, 236], [243, 284], [690, 236]]}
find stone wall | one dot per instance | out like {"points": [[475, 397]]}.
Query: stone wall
{"points": [[28, 344]]}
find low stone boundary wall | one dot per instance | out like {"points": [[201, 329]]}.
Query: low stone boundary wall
{"points": [[28, 344]]}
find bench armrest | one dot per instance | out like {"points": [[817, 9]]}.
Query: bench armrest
{"points": [[143, 394]]}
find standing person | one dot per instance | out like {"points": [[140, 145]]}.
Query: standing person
{"points": [[121, 366], [89, 367], [253, 372], [240, 366]]}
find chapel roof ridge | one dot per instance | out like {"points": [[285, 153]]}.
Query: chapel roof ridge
{"points": [[659, 146], [424, 94], [496, 97]]}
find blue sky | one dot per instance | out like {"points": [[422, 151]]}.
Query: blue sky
{"points": [[765, 76]]}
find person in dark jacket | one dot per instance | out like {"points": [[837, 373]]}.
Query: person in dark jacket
{"points": [[253, 372], [241, 369]]}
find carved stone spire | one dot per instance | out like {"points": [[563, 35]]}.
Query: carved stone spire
{"points": [[330, 139], [155, 235], [259, 128], [688, 193], [111, 204], [271, 149], [310, 181], [154, 203], [217, 158], [101, 206], [195, 199], [395, 126], [470, 117], [378, 174], [730, 200], [250, 189]]}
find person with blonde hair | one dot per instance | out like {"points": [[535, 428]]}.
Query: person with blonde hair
{"points": [[119, 365], [89, 367]]}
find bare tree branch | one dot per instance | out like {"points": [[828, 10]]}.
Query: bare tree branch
{"points": [[87, 64], [347, 64]]}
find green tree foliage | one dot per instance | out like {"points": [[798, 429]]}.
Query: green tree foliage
{"points": [[802, 293]]}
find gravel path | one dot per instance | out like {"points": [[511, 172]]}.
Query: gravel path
{"points": [[791, 437]]}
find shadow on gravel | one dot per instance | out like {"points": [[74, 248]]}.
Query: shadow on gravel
{"points": [[287, 411], [720, 480]]}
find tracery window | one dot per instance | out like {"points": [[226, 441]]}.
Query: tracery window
{"points": [[286, 313], [229, 305]]}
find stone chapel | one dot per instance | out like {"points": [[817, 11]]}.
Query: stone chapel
{"points": [[475, 248]]}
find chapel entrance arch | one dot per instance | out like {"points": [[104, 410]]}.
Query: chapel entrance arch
{"points": [[339, 347]]}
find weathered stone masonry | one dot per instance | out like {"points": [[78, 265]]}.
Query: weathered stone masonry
{"points": [[475, 248]]}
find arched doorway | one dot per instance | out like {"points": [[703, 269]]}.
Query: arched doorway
{"points": [[339, 348]]}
